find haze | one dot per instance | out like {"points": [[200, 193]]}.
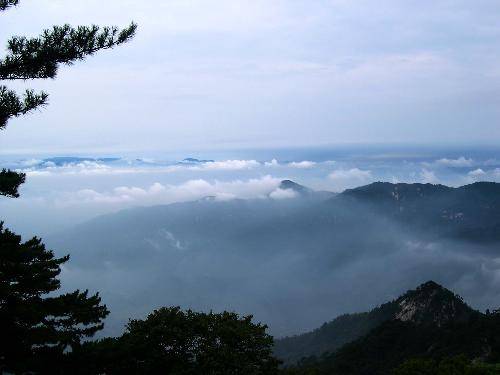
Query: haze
{"points": [[227, 74]]}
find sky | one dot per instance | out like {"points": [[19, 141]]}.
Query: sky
{"points": [[228, 74], [330, 94]]}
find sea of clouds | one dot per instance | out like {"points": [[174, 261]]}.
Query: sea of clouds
{"points": [[62, 191]]}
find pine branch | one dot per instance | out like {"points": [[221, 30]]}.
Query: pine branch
{"points": [[10, 182], [33, 58], [4, 4], [11, 105]]}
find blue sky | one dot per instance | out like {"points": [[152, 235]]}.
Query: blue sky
{"points": [[232, 74]]}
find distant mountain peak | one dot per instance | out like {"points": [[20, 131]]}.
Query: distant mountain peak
{"points": [[291, 185], [196, 161], [430, 303]]}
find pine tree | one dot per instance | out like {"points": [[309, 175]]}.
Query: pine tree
{"points": [[39, 58], [38, 327]]}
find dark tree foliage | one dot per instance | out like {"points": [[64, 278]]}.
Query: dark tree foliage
{"points": [[10, 182], [31, 58], [442, 336], [173, 341], [393, 343], [457, 365], [39, 58], [4, 4], [37, 326]]}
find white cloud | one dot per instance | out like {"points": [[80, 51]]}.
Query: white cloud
{"points": [[428, 177], [85, 167], [477, 173], [30, 162], [101, 168], [272, 163], [163, 194], [283, 194], [227, 165], [306, 164], [348, 178], [480, 175], [455, 163]]}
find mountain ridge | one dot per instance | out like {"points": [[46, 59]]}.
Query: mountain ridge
{"points": [[428, 304], [440, 326], [182, 252]]}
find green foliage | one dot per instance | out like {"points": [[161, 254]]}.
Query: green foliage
{"points": [[457, 365], [4, 4], [40, 57], [10, 182], [441, 336], [333, 335], [173, 341], [417, 366], [437, 305], [11, 105], [31, 58], [38, 326]]}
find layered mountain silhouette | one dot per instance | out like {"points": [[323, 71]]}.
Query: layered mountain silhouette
{"points": [[430, 303], [293, 263], [428, 322], [470, 212]]}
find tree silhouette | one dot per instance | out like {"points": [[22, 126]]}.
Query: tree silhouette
{"points": [[38, 327], [40, 58], [174, 341]]}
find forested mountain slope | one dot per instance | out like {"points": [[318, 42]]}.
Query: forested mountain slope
{"points": [[428, 322]]}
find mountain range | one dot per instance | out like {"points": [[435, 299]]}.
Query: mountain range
{"points": [[428, 322], [288, 261]]}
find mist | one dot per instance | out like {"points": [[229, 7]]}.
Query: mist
{"points": [[292, 263]]}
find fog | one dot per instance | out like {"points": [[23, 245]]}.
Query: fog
{"points": [[293, 263], [60, 194], [224, 233]]}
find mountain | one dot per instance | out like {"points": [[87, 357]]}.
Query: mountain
{"points": [[65, 160], [470, 212], [293, 263], [428, 322], [332, 335], [195, 161], [290, 185], [429, 303]]}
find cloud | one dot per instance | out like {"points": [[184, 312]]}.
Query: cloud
{"points": [[145, 166], [477, 173], [30, 162], [272, 163], [306, 164], [227, 165], [480, 174], [86, 167], [158, 193], [347, 178], [455, 163], [428, 177], [283, 194]]}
